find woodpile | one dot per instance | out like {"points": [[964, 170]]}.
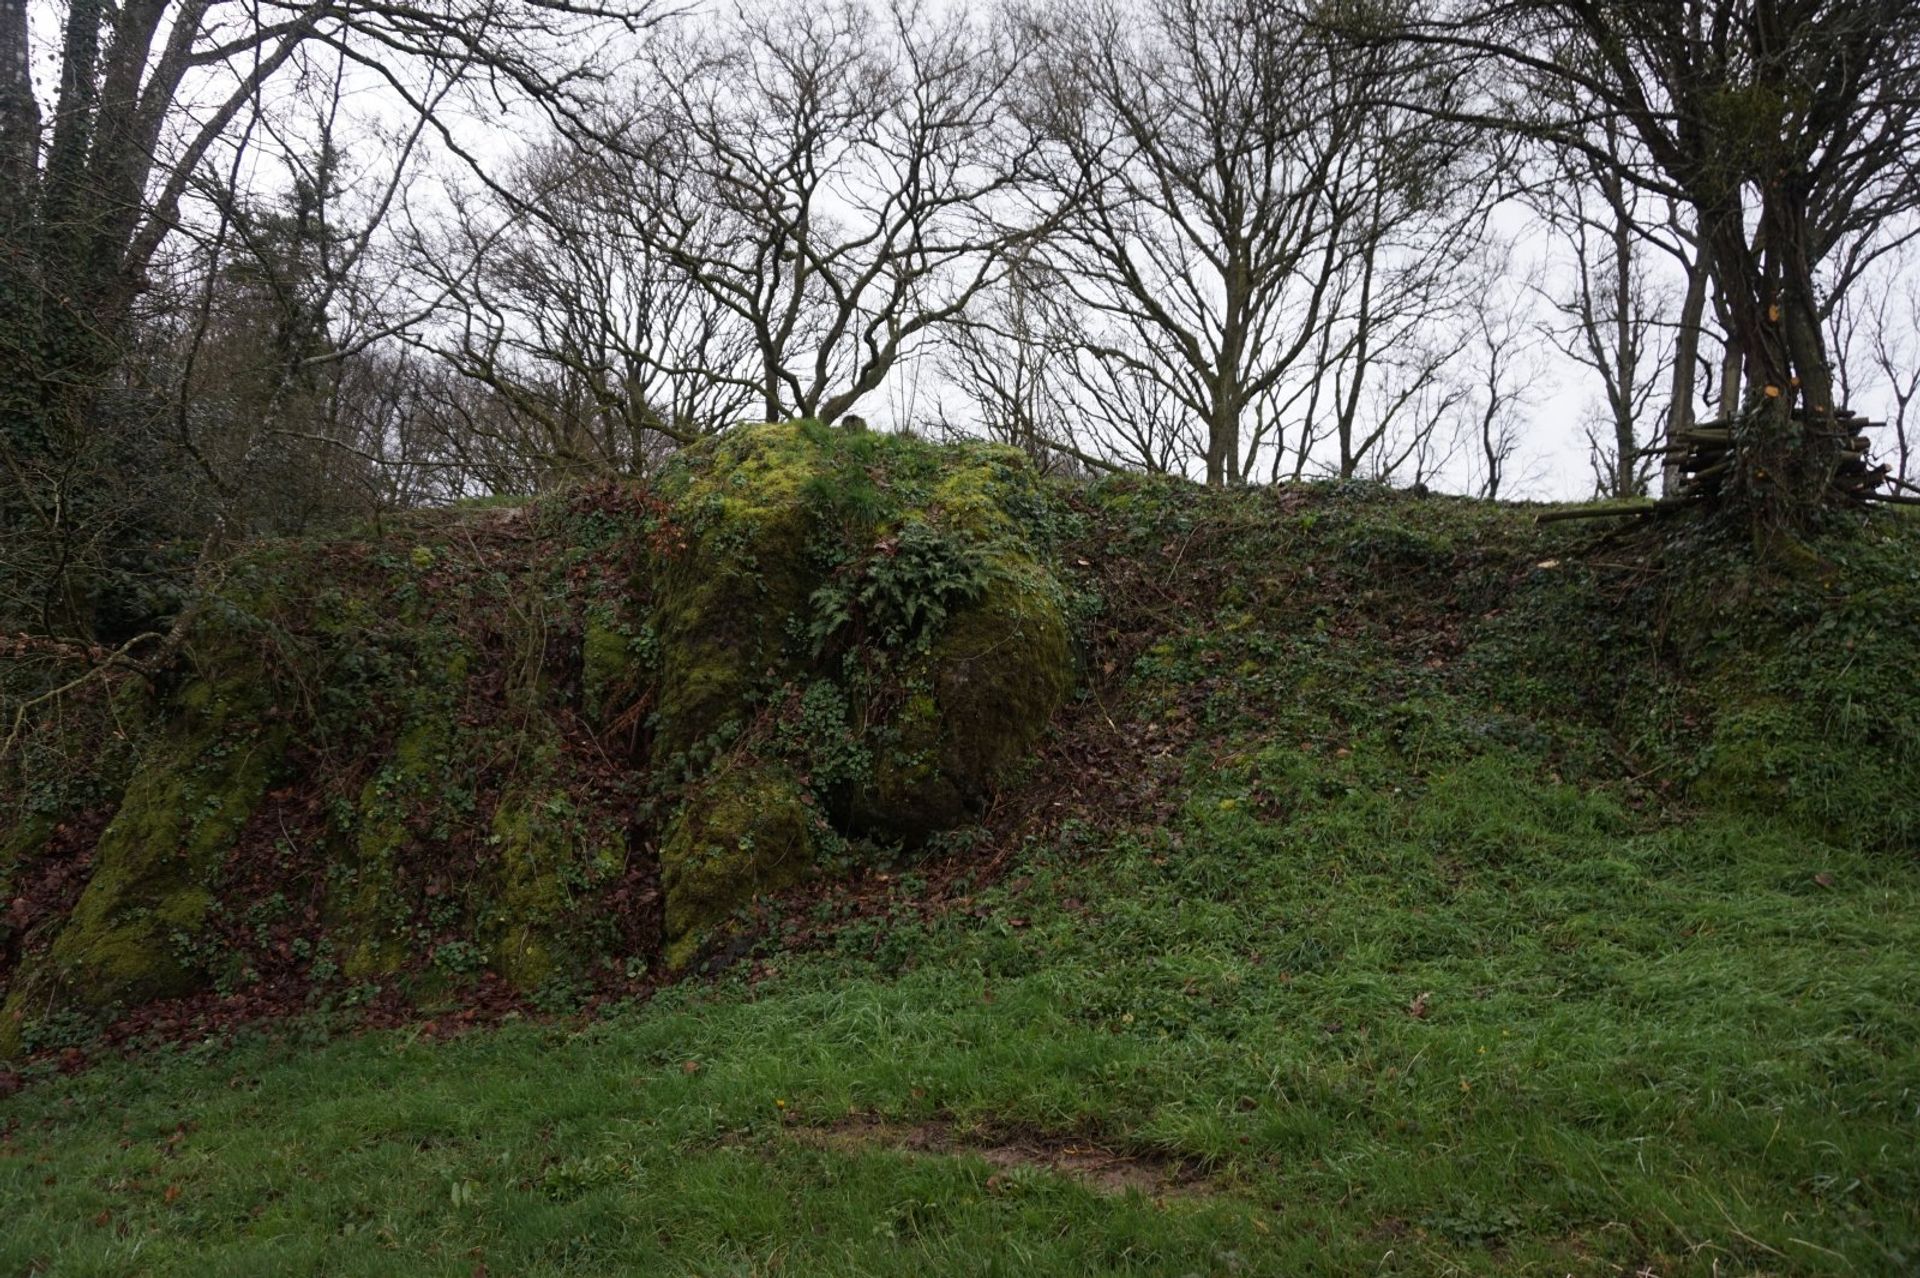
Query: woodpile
{"points": [[1700, 458]]}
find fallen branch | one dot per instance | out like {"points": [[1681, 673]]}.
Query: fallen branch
{"points": [[1604, 512], [120, 658]]}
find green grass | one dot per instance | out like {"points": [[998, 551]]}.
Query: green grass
{"points": [[1647, 1043], [1410, 947]]}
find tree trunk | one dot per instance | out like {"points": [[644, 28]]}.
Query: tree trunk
{"points": [[1626, 355], [1223, 440], [1783, 464], [19, 119], [20, 426], [1686, 353]]}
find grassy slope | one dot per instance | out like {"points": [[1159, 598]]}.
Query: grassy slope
{"points": [[1330, 781]]}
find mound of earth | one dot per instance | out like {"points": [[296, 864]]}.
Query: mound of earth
{"points": [[548, 745], [520, 755]]}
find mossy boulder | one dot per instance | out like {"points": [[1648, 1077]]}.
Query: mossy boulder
{"points": [[725, 602], [132, 935], [742, 833], [908, 581], [448, 747], [984, 689]]}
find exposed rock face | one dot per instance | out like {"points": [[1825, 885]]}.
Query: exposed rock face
{"points": [[898, 594], [455, 745]]}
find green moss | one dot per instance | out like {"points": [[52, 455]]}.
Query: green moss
{"points": [[744, 832], [526, 906], [790, 520], [901, 582], [133, 934], [706, 596], [528, 900], [723, 607], [989, 684], [153, 871], [607, 668], [22, 844], [365, 909], [1751, 762], [990, 492]]}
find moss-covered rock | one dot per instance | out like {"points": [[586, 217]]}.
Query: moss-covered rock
{"points": [[724, 604], [835, 635], [983, 692], [608, 669], [529, 894], [21, 844], [907, 581], [366, 909], [545, 859], [135, 930], [448, 749], [741, 833]]}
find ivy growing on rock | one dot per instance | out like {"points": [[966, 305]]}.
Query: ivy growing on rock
{"points": [[542, 746]]}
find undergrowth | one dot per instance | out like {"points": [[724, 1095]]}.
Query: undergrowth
{"points": [[1437, 892]]}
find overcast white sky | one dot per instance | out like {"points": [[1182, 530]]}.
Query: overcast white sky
{"points": [[1561, 396]]}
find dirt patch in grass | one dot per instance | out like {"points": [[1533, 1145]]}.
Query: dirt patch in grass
{"points": [[1013, 1154]]}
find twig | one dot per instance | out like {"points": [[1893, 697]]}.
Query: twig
{"points": [[118, 658]]}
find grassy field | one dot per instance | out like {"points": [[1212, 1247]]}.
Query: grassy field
{"points": [[1497, 1029], [1379, 969]]}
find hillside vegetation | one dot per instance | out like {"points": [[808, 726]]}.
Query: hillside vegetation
{"points": [[847, 855]]}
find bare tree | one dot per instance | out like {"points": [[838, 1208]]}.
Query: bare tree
{"points": [[1504, 369], [1012, 362], [1788, 129], [1204, 242], [1256, 215], [1874, 333], [154, 98], [1894, 342], [1416, 272], [842, 180], [1128, 411], [1400, 322], [262, 306], [1609, 304], [600, 349]]}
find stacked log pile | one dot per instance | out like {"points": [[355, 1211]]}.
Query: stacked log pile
{"points": [[1701, 457], [1699, 460]]}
